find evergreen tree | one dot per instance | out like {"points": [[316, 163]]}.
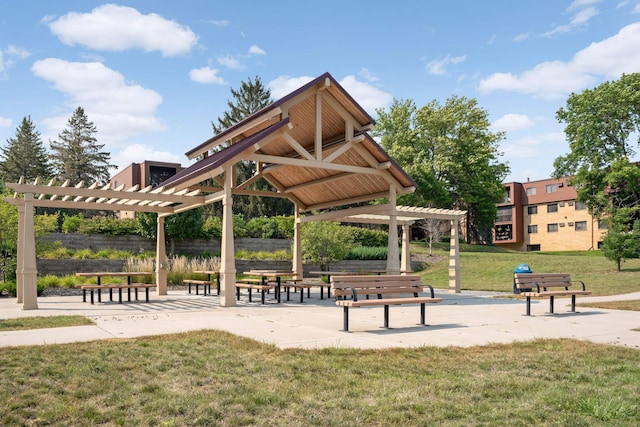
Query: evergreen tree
{"points": [[77, 156], [24, 155], [250, 98]]}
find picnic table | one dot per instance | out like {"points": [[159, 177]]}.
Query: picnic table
{"points": [[265, 275], [111, 286], [209, 274]]}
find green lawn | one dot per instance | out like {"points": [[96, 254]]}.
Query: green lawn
{"points": [[214, 378], [491, 269]]}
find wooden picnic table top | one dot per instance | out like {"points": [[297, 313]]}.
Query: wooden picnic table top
{"points": [[115, 274]]}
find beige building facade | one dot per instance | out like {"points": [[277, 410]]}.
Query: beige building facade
{"points": [[545, 216]]}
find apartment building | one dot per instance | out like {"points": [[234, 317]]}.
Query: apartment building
{"points": [[147, 173], [545, 216]]}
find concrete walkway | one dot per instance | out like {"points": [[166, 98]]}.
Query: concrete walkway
{"points": [[466, 319]]}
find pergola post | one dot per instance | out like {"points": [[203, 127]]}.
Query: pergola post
{"points": [[19, 256], [28, 265], [454, 259], [161, 259], [405, 260], [393, 261], [298, 271], [227, 254]]}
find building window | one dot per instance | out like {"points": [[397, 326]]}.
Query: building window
{"points": [[504, 232], [507, 197], [552, 228], [533, 248], [550, 188], [602, 224], [504, 214], [532, 229], [553, 207], [580, 206], [531, 191], [581, 225], [532, 210]]}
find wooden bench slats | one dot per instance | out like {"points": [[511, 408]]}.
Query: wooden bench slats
{"points": [[352, 291], [537, 285]]}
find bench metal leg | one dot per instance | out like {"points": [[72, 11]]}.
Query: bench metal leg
{"points": [[322, 292], [99, 295], [250, 295], [238, 294], [189, 287], [551, 304], [91, 290], [345, 318], [386, 316], [129, 294], [84, 295], [573, 303], [146, 294], [119, 295], [528, 306], [136, 292], [302, 295], [110, 294], [261, 295], [422, 314]]}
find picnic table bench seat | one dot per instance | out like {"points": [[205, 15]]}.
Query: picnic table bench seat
{"points": [[540, 285], [206, 284], [252, 286], [115, 286], [354, 291]]}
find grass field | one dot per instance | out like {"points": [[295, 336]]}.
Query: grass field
{"points": [[490, 268], [214, 378]]}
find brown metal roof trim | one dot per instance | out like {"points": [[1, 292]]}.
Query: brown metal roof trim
{"points": [[222, 156]]}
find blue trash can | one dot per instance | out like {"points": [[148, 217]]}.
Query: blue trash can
{"points": [[521, 268]]}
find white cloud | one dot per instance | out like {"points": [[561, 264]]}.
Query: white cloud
{"points": [[230, 62], [583, 11], [255, 50], [438, 66], [219, 22], [369, 97], [117, 28], [206, 75], [367, 75], [522, 37], [118, 108], [138, 153], [5, 123], [284, 85], [556, 79], [10, 55], [511, 122], [530, 147]]}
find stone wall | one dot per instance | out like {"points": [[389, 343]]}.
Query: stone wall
{"points": [[141, 244]]}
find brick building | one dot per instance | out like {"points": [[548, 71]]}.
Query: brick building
{"points": [[545, 216], [147, 173]]}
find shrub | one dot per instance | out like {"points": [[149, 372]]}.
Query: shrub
{"points": [[9, 287], [367, 253], [72, 223], [212, 227], [109, 225], [368, 237]]}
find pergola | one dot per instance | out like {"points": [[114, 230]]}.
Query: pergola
{"points": [[311, 147]]}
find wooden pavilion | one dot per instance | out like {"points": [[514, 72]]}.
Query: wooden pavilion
{"points": [[311, 146]]}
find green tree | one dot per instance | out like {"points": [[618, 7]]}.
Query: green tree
{"points": [[324, 242], [77, 156], [24, 155], [250, 98], [451, 154], [621, 244], [602, 127], [181, 226]]}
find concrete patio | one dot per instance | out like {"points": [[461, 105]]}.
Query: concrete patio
{"points": [[465, 319]]}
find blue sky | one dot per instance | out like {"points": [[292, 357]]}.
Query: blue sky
{"points": [[152, 75]]}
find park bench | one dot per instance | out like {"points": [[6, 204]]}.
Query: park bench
{"points": [[116, 286], [299, 285], [354, 291], [551, 285], [206, 284]]}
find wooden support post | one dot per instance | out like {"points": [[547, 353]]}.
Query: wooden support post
{"points": [[405, 260], [227, 254], [28, 268], [297, 246], [454, 259], [161, 259], [393, 260]]}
